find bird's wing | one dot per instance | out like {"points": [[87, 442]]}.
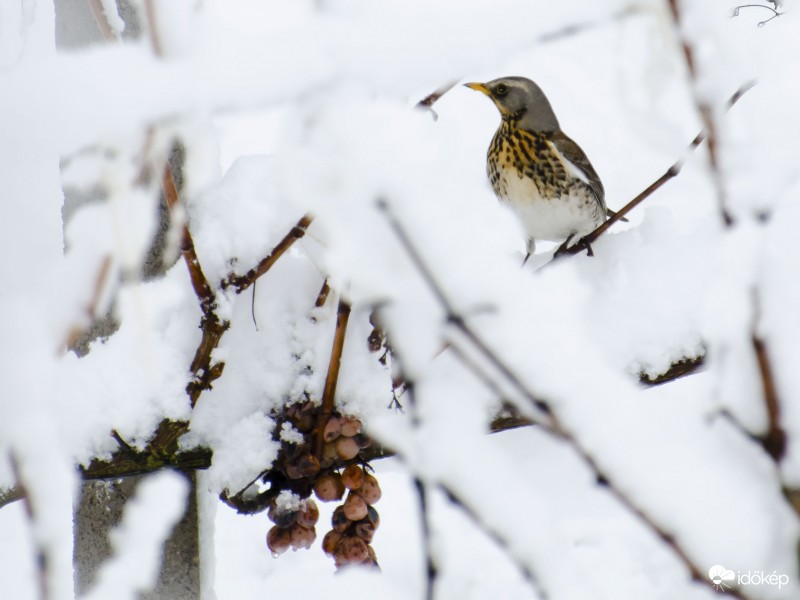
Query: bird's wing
{"points": [[576, 157]]}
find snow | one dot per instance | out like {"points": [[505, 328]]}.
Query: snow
{"points": [[305, 108]]}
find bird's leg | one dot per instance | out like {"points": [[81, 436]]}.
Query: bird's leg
{"points": [[531, 246]]}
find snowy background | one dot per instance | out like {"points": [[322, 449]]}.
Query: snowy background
{"points": [[288, 108]]}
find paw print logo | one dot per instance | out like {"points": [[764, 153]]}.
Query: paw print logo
{"points": [[719, 575]]}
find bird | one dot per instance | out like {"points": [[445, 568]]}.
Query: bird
{"points": [[537, 170]]}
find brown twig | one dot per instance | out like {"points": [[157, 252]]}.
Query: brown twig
{"points": [[555, 426], [242, 282], [332, 378], [322, 296], [673, 171], [42, 560], [199, 282], [774, 440]]}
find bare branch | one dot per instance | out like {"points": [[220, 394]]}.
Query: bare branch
{"points": [[199, 282], [673, 171], [705, 111], [96, 7], [242, 282]]}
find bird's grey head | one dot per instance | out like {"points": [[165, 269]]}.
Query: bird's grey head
{"points": [[520, 99]]}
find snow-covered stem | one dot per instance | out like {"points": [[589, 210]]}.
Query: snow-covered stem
{"points": [[554, 425], [458, 321], [101, 281], [199, 282], [241, 282], [705, 111], [504, 544]]}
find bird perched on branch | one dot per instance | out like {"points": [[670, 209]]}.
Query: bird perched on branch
{"points": [[537, 169]]}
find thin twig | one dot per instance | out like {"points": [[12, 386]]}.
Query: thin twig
{"points": [[42, 561], [332, 378], [199, 282], [775, 13], [774, 440], [428, 101], [94, 303], [555, 428], [673, 171], [322, 296], [431, 572], [241, 282]]}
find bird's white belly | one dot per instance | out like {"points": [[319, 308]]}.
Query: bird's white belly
{"points": [[553, 219]]}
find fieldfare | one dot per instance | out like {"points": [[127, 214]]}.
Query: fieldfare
{"points": [[536, 169]]}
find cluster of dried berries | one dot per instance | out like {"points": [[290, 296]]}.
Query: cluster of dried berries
{"points": [[295, 522], [354, 522], [342, 439], [311, 461]]}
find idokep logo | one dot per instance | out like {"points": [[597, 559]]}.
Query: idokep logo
{"points": [[723, 578], [719, 575]]}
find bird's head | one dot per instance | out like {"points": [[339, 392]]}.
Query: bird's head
{"points": [[520, 99]]}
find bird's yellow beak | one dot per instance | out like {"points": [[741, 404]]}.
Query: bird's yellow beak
{"points": [[478, 87]]}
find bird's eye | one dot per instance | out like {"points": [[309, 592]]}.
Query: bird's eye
{"points": [[501, 89]]}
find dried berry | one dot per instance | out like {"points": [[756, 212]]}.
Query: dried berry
{"points": [[308, 515], [278, 540], [302, 537], [354, 507], [351, 550], [339, 521], [353, 477], [307, 465], [330, 541], [365, 530], [370, 490], [333, 429], [362, 441], [351, 426], [329, 487], [373, 516], [346, 448]]}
